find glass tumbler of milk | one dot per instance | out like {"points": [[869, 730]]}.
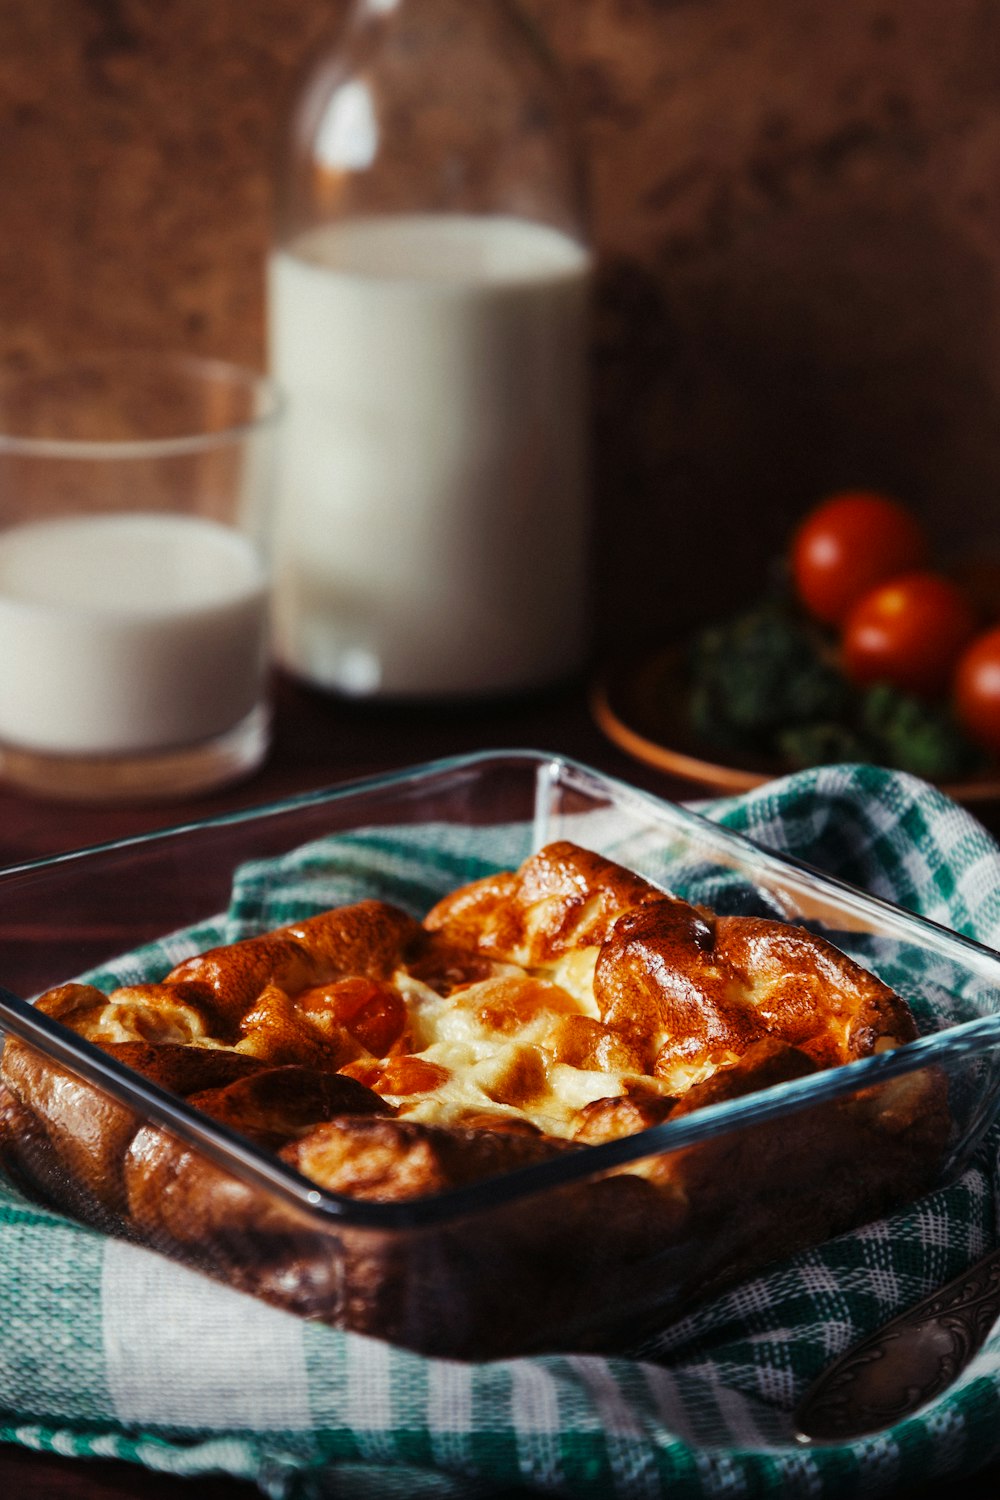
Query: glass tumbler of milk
{"points": [[428, 298], [135, 492]]}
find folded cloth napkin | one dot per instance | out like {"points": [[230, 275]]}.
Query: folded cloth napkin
{"points": [[112, 1351]]}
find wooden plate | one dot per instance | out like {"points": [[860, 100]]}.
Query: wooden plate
{"points": [[642, 709]]}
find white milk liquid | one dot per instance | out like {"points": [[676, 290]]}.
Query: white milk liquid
{"points": [[123, 633], [431, 525]]}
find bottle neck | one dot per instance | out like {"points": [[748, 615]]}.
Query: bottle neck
{"points": [[434, 106]]}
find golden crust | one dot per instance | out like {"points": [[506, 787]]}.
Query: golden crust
{"points": [[564, 897], [532, 1014], [389, 1160], [72, 1137], [278, 1105], [369, 939], [704, 990]]}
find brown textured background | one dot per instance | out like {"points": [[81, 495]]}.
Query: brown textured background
{"points": [[796, 209]]}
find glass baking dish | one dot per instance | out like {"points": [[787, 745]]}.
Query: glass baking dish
{"points": [[588, 1250]]}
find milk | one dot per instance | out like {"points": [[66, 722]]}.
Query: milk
{"points": [[431, 521], [127, 633]]}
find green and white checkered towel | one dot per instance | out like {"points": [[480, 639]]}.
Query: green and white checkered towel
{"points": [[109, 1350]]}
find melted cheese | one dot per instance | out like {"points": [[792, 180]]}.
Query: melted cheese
{"points": [[498, 1045]]}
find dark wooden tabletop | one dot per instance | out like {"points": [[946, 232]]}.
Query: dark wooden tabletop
{"points": [[321, 741]]}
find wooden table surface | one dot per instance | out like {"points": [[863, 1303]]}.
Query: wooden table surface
{"points": [[321, 741]]}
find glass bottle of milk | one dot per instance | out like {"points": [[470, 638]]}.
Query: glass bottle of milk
{"points": [[427, 304]]}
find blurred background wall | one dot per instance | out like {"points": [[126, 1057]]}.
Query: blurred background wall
{"points": [[796, 213]]}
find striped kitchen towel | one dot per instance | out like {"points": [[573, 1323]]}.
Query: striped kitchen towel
{"points": [[110, 1350]]}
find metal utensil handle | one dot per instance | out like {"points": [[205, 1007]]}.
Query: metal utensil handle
{"points": [[904, 1364]]}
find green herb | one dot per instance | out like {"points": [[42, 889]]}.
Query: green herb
{"points": [[819, 744], [916, 736], [759, 672], [766, 684]]}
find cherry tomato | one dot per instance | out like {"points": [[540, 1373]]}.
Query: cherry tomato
{"points": [[848, 544], [976, 690], [908, 632]]}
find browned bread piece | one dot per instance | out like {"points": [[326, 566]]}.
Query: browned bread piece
{"points": [[687, 990], [71, 1137], [369, 939], [531, 1015]]}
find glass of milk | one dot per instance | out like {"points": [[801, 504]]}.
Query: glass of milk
{"points": [[134, 578], [428, 297]]}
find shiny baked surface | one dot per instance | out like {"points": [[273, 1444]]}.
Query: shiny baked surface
{"points": [[567, 1002], [528, 1016]]}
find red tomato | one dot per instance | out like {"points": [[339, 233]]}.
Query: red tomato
{"points": [[908, 632], [848, 544], [976, 690]]}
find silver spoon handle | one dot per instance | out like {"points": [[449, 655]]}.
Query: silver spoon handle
{"points": [[904, 1364]]}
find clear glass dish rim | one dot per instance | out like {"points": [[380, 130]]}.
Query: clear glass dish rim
{"points": [[266, 1171]]}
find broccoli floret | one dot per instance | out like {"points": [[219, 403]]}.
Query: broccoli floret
{"points": [[767, 684], [820, 744], [914, 735], [760, 672]]}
